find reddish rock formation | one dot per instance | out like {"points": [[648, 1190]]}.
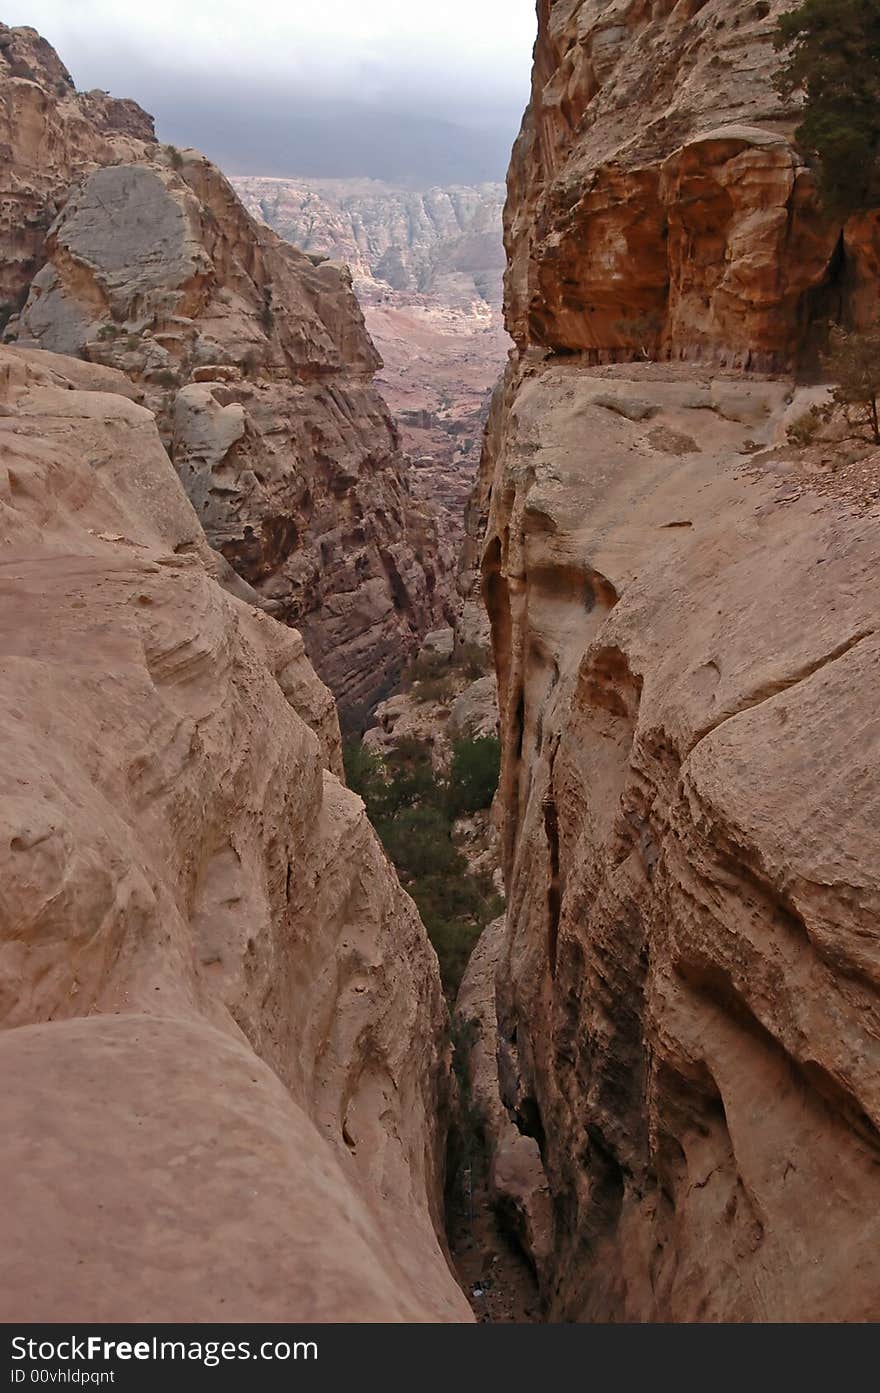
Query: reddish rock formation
{"points": [[206, 960], [427, 269], [684, 621], [657, 205], [259, 367]]}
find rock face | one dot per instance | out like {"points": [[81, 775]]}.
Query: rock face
{"points": [[427, 268], [259, 367], [685, 633], [204, 955], [49, 135], [657, 205], [688, 992]]}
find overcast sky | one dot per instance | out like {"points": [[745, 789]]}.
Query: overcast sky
{"points": [[389, 88]]}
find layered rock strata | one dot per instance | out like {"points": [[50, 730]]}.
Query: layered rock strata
{"points": [[657, 205], [224, 1034], [260, 370]]}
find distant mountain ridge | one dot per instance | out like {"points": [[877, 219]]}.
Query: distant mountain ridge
{"points": [[443, 241]]}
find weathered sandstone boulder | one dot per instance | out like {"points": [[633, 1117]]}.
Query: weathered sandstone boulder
{"points": [[50, 134], [224, 1035]]}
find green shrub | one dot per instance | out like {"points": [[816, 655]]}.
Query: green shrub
{"points": [[412, 810], [805, 429], [166, 378], [472, 661], [473, 778], [438, 689], [426, 667], [833, 58], [364, 774], [853, 363]]}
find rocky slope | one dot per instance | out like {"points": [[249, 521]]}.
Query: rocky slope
{"points": [[205, 958], [427, 269], [257, 363], [684, 613]]}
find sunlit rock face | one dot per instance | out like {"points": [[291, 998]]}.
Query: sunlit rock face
{"points": [[256, 361], [684, 626], [226, 1065], [657, 204]]}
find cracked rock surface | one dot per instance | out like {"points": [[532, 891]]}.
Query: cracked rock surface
{"points": [[687, 991]]}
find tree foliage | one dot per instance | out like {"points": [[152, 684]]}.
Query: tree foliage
{"points": [[833, 59], [414, 810], [853, 362], [473, 777]]}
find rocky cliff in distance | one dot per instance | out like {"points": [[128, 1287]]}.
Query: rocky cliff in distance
{"points": [[427, 268], [255, 360], [441, 241], [206, 961], [684, 610]]}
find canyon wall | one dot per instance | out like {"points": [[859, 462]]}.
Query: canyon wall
{"points": [[657, 205], [224, 1037], [255, 360], [684, 610], [428, 268]]}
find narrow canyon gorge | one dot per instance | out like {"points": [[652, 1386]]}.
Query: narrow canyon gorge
{"points": [[237, 618]]}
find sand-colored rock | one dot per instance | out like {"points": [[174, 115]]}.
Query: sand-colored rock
{"points": [[259, 367], [657, 205], [224, 1034], [50, 134], [517, 1184], [688, 990]]}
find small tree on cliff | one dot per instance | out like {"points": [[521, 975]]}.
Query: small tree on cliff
{"points": [[834, 60], [853, 362]]}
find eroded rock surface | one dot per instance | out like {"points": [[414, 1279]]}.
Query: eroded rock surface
{"points": [[657, 204], [427, 268], [259, 368], [206, 960], [687, 994], [50, 134]]}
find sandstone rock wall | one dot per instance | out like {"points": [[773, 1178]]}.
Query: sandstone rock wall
{"points": [[657, 205], [687, 997], [259, 368], [224, 1035], [684, 621], [428, 269]]}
